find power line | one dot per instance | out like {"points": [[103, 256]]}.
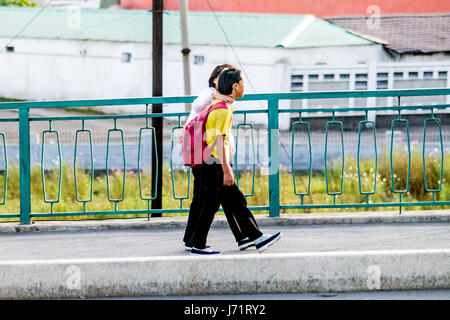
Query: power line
{"points": [[26, 26], [231, 45], [239, 62]]}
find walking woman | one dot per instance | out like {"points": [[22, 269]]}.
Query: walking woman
{"points": [[216, 181], [206, 98]]}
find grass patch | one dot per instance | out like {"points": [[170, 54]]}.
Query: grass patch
{"points": [[318, 194], [84, 110], [10, 100]]}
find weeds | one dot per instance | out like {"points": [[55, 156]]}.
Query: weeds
{"points": [[318, 193]]}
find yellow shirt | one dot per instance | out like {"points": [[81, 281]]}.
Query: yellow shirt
{"points": [[219, 123]]}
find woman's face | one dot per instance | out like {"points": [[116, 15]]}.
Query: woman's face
{"points": [[239, 88]]}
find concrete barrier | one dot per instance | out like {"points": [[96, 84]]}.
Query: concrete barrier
{"points": [[313, 272]]}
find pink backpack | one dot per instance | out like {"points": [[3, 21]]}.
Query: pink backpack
{"points": [[193, 142]]}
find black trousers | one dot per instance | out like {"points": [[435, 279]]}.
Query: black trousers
{"points": [[209, 193]]}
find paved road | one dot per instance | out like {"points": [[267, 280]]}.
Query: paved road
{"points": [[168, 242], [366, 295]]}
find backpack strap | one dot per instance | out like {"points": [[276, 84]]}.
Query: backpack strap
{"points": [[218, 104]]}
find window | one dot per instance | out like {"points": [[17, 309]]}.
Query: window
{"points": [[199, 60], [361, 81], [361, 76], [418, 80], [297, 82], [382, 84], [328, 76], [344, 76], [126, 57], [361, 85], [297, 86], [313, 77], [9, 49], [442, 74], [398, 75], [382, 80]]}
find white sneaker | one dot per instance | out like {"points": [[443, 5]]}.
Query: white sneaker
{"points": [[245, 243], [189, 248], [263, 242], [205, 251]]}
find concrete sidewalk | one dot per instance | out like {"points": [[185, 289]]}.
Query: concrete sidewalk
{"points": [[317, 253], [220, 221]]}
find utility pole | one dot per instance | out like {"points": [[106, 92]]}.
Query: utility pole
{"points": [[157, 73], [185, 50]]}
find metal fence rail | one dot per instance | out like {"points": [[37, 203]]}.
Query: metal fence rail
{"points": [[273, 148]]}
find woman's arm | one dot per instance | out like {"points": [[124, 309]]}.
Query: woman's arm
{"points": [[217, 95], [204, 98], [228, 178]]}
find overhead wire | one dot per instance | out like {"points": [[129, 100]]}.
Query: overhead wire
{"points": [[26, 26], [240, 64]]}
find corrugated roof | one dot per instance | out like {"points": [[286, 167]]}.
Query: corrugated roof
{"points": [[406, 33], [322, 33], [252, 30]]}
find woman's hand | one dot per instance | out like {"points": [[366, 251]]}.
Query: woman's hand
{"points": [[219, 96], [228, 178]]}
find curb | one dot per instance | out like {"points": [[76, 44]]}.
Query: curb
{"points": [[220, 221], [313, 272]]}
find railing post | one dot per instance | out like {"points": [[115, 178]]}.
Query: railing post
{"points": [[274, 159], [24, 158]]}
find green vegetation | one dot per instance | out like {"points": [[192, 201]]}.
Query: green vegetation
{"points": [[8, 99], [84, 110], [318, 194], [19, 3]]}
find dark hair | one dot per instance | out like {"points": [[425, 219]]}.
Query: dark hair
{"points": [[227, 79], [216, 72]]}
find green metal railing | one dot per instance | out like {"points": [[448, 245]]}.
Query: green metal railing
{"points": [[91, 156], [301, 123], [141, 131], [273, 112]]}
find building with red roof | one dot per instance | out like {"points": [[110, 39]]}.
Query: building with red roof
{"points": [[317, 8]]}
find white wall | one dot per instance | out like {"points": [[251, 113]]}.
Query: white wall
{"points": [[42, 69]]}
